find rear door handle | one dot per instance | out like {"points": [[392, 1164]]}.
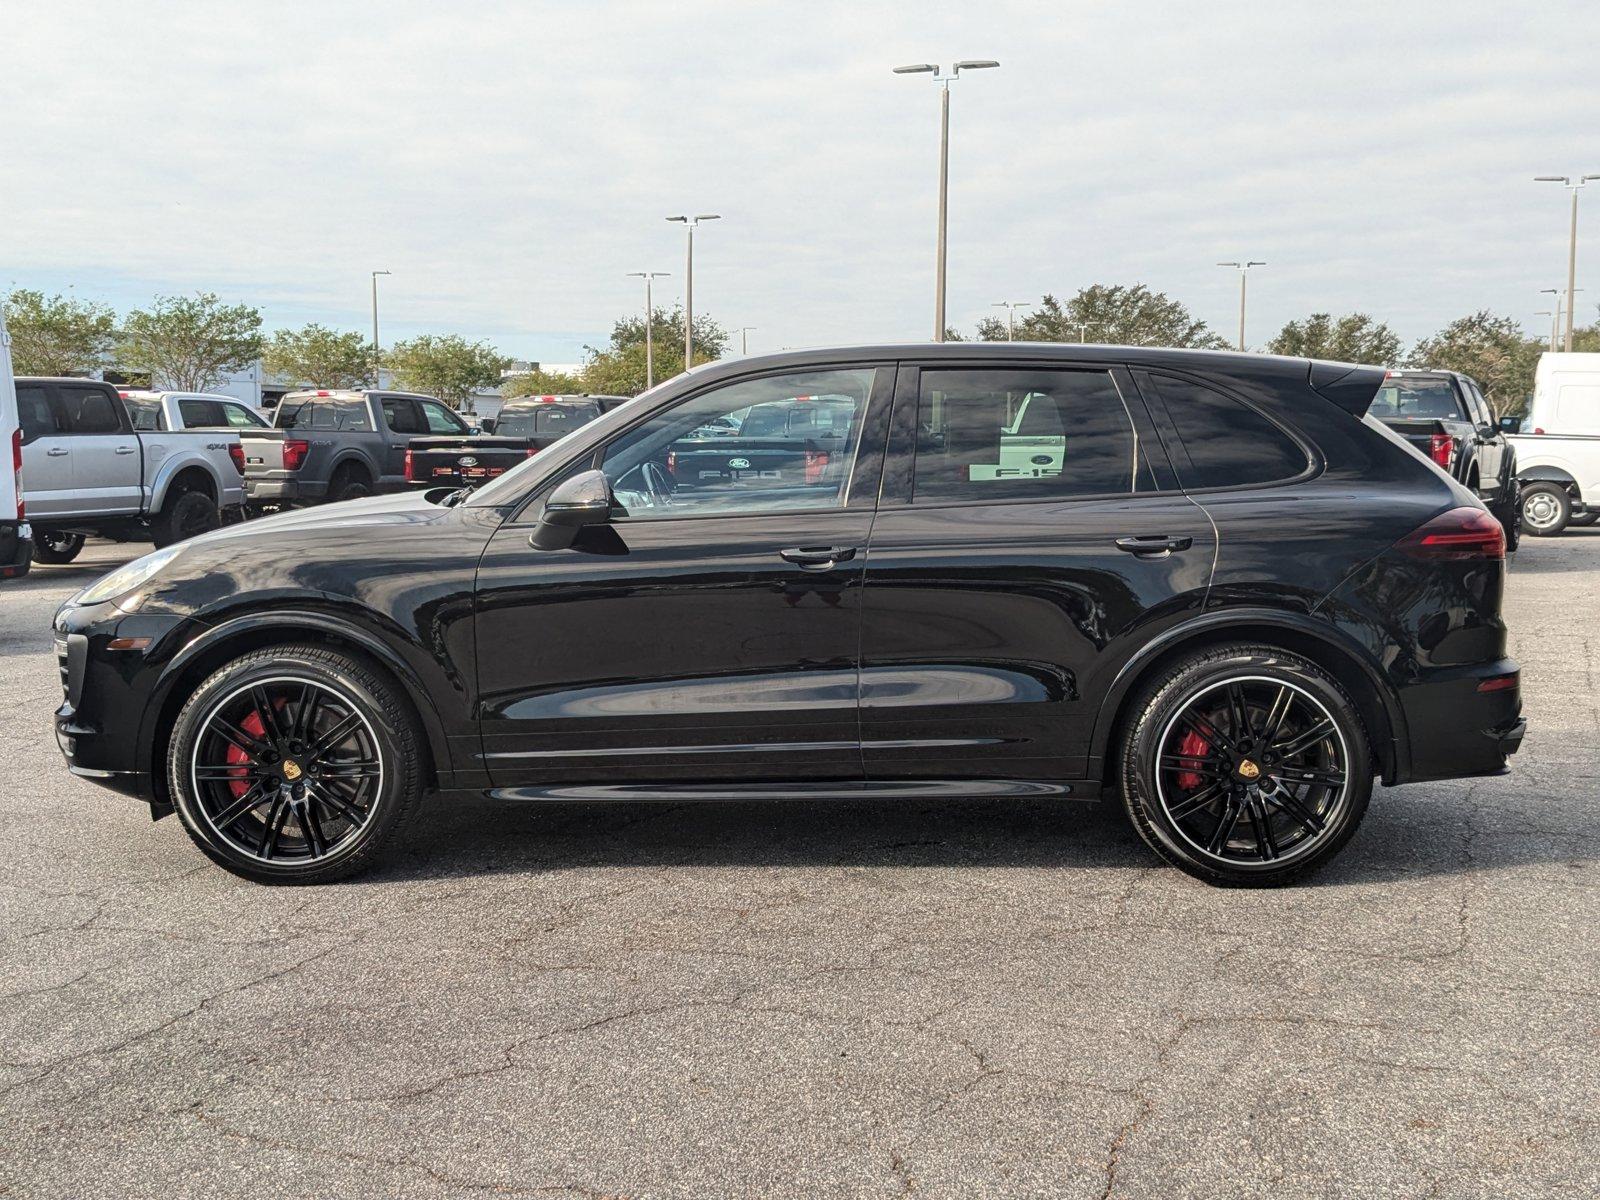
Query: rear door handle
{"points": [[127, 449], [817, 558], [1156, 545], [58, 452]]}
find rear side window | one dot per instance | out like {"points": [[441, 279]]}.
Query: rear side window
{"points": [[1223, 442], [89, 410], [200, 414], [34, 413], [350, 414], [295, 416], [1023, 433], [401, 416], [544, 420]]}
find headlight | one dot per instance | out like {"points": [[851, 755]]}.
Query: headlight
{"points": [[127, 577]]}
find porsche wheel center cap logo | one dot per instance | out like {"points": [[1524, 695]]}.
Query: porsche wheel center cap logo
{"points": [[291, 770], [1249, 770]]}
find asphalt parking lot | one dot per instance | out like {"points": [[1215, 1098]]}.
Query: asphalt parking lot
{"points": [[800, 1000]]}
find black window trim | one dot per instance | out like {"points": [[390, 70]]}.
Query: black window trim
{"points": [[899, 492], [58, 401], [1157, 403]]}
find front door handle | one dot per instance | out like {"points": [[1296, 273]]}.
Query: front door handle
{"points": [[1156, 545], [817, 558]]}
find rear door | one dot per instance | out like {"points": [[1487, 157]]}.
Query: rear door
{"points": [[46, 453], [1030, 536], [107, 471]]}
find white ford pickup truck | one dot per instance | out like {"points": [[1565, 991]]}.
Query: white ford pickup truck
{"points": [[86, 470], [1558, 455]]}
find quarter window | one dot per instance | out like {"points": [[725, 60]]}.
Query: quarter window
{"points": [[200, 414], [762, 445], [1223, 442], [1022, 433]]}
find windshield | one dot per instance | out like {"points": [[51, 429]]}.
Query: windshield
{"points": [[544, 420], [1416, 396]]}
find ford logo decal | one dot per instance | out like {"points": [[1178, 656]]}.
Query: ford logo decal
{"points": [[467, 460], [739, 464]]}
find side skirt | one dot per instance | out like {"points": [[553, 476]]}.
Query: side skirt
{"points": [[895, 789]]}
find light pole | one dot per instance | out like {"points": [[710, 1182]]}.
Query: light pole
{"points": [[744, 342], [966, 64], [1083, 330], [376, 353], [1572, 241], [1244, 272], [688, 284], [1011, 307], [649, 316]]}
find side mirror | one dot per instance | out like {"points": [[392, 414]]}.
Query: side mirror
{"points": [[1510, 424], [582, 500], [489, 424]]}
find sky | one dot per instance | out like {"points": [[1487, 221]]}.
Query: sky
{"points": [[511, 163]]}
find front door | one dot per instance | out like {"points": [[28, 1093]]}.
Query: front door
{"points": [[1030, 535], [710, 632]]}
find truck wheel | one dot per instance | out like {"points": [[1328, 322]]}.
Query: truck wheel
{"points": [[56, 549], [185, 515], [1546, 509], [348, 484]]}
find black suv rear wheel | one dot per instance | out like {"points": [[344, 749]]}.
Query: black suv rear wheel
{"points": [[1245, 765], [294, 765]]}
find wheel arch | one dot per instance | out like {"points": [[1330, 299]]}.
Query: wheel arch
{"points": [[186, 475], [1549, 474], [241, 635], [1339, 655], [350, 461]]}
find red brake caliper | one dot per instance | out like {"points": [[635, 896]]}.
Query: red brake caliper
{"points": [[238, 758], [1192, 746]]}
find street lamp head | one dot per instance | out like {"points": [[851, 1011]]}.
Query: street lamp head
{"points": [[1230, 264], [709, 217], [1551, 179], [1587, 178], [1255, 263], [383, 272], [916, 69], [975, 64], [685, 220]]}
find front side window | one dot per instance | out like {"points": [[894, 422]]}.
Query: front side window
{"points": [[1022, 433], [707, 456], [1223, 442], [440, 419], [89, 410]]}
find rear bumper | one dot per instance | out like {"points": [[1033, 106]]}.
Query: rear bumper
{"points": [[16, 548], [1464, 721], [279, 491]]}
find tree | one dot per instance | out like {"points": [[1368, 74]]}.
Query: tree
{"points": [[57, 336], [1493, 350], [1130, 315], [190, 343], [449, 367], [619, 368], [1354, 337], [542, 383], [319, 357]]}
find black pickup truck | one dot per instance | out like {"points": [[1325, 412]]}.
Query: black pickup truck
{"points": [[1444, 415], [525, 426]]}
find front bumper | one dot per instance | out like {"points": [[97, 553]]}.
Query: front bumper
{"points": [[16, 548]]}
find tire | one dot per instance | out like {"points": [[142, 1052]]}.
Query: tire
{"points": [[349, 483], [318, 815], [185, 515], [56, 549], [1180, 784], [1546, 509], [1509, 514], [1584, 520]]}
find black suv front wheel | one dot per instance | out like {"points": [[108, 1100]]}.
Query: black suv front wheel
{"points": [[295, 764], [1245, 765]]}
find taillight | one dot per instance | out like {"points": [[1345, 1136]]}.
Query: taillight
{"points": [[294, 454], [1442, 449], [410, 468], [16, 469], [1460, 533], [236, 452]]}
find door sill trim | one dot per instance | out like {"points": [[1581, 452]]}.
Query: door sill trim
{"points": [[885, 789]]}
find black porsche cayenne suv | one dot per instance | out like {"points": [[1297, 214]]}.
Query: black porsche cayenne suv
{"points": [[1207, 584]]}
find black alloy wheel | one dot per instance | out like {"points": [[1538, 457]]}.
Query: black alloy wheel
{"points": [[186, 515], [56, 549], [1248, 766], [294, 765]]}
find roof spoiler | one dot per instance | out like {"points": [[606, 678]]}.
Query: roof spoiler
{"points": [[1351, 388]]}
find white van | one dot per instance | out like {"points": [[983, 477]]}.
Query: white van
{"points": [[1566, 395], [1558, 455], [16, 538]]}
